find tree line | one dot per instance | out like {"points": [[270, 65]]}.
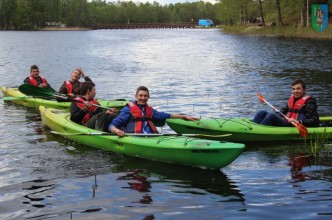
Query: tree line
{"points": [[35, 14], [278, 12]]}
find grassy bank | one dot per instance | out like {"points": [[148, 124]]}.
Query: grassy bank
{"points": [[285, 31]]}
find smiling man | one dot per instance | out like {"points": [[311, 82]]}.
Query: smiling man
{"points": [[137, 116], [301, 108]]}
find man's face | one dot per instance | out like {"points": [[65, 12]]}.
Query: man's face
{"points": [[91, 93], [142, 97], [34, 72], [298, 91], [75, 75]]}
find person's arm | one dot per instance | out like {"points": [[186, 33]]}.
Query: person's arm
{"points": [[185, 117], [162, 116], [26, 80], [76, 113], [84, 75], [63, 89], [311, 114], [86, 78], [120, 121]]}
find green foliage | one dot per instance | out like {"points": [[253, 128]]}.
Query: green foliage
{"points": [[320, 147], [293, 12], [35, 14]]}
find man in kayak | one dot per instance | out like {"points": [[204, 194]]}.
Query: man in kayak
{"points": [[72, 87], [87, 111], [35, 79], [137, 117], [300, 109]]}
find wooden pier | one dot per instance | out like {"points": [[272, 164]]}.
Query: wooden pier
{"points": [[146, 26]]}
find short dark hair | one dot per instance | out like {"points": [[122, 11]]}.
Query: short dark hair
{"points": [[143, 88], [299, 81], [86, 86], [33, 67]]}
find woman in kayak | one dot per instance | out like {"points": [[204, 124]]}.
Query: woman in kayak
{"points": [[300, 109], [137, 117], [72, 87], [35, 79], [87, 111]]}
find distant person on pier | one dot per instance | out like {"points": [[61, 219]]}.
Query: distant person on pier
{"points": [[72, 86], [301, 108], [138, 116], [35, 79]]}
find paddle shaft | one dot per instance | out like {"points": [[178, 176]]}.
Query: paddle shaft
{"points": [[302, 129], [75, 100], [139, 134], [275, 109], [31, 90]]}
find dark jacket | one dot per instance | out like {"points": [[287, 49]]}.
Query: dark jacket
{"points": [[77, 114], [76, 87], [310, 113]]}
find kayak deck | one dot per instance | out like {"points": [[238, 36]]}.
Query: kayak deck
{"points": [[174, 149]]}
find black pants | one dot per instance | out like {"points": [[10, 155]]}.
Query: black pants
{"points": [[100, 121]]}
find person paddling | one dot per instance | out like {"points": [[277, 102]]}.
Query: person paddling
{"points": [[301, 108], [87, 113], [72, 87], [35, 79], [137, 117]]}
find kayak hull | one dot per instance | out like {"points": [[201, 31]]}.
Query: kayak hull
{"points": [[21, 99], [174, 149], [244, 129]]}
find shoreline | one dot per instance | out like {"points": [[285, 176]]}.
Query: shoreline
{"points": [[274, 31], [64, 29]]}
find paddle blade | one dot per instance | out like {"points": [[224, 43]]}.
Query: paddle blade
{"points": [[31, 90], [261, 97], [302, 130]]}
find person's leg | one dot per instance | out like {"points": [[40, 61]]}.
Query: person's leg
{"points": [[274, 120], [260, 115], [103, 120]]}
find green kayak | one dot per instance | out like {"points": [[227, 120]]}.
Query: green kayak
{"points": [[15, 96], [245, 130], [160, 147]]}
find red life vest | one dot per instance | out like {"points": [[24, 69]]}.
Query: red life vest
{"points": [[295, 107], [137, 113], [34, 82], [69, 86], [82, 106]]}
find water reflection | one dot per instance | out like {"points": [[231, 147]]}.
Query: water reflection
{"points": [[297, 162], [185, 180]]}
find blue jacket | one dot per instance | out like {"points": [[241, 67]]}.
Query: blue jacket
{"points": [[122, 121]]}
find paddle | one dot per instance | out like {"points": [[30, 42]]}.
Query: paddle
{"points": [[140, 134], [44, 92], [31, 90], [302, 129]]}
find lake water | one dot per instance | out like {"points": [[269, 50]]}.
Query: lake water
{"points": [[204, 73]]}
